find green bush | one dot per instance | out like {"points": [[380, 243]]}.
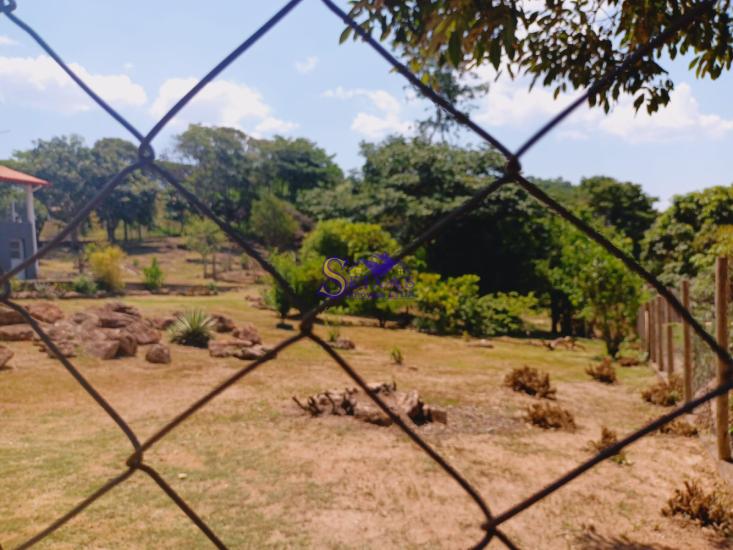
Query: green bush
{"points": [[106, 266], [347, 240], [84, 285], [192, 328], [396, 356], [273, 221], [454, 306], [305, 278], [502, 312], [153, 276]]}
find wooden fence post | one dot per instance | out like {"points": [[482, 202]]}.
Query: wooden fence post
{"points": [[687, 343], [670, 339], [652, 332], [660, 335], [721, 333], [647, 331]]}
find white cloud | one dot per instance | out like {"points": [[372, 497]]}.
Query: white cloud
{"points": [[40, 83], [7, 41], [511, 103], [223, 103], [307, 65], [387, 120]]}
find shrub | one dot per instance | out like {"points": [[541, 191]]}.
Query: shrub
{"points": [[273, 221], [549, 416], [305, 278], [530, 381], [603, 372], [396, 356], [153, 276], [84, 285], [454, 306], [334, 332], [608, 438], [664, 393], [679, 427], [192, 328], [350, 241], [706, 509], [106, 266], [502, 312]]}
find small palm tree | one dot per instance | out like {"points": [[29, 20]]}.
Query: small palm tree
{"points": [[192, 328]]}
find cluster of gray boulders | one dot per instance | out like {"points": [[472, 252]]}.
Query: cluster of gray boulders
{"points": [[354, 402]]}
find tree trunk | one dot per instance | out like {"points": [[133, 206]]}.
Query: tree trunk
{"points": [[110, 232], [204, 261], [213, 266], [124, 227]]}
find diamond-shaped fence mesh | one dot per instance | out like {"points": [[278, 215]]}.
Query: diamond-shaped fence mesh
{"points": [[512, 175]]}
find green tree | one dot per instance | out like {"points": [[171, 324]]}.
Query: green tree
{"points": [[132, 202], [287, 167], [680, 242], [350, 241], [623, 205], [220, 169], [204, 237], [65, 162], [407, 185], [559, 44], [273, 221], [598, 287]]}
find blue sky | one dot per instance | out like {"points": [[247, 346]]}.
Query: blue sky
{"points": [[298, 81]]}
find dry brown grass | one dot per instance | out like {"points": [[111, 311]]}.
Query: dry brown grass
{"points": [[603, 371], [550, 417], [664, 393], [608, 438], [711, 509], [679, 427], [530, 381]]}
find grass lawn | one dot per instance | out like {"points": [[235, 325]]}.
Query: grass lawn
{"points": [[265, 475]]}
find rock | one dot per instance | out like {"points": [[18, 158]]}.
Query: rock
{"points": [[119, 307], [247, 332], [248, 353], [158, 354], [163, 323], [16, 333], [66, 347], [228, 348], [223, 324], [62, 331], [102, 349], [45, 312], [483, 343], [343, 343], [127, 345], [10, 317], [5, 356], [113, 319], [144, 332], [256, 301]]}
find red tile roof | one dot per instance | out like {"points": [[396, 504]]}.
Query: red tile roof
{"points": [[8, 175]]}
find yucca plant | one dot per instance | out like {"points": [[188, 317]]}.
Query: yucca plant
{"points": [[192, 328]]}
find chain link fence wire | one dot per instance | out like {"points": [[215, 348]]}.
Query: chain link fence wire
{"points": [[512, 174]]}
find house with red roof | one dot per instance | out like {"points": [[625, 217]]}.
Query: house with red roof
{"points": [[18, 240]]}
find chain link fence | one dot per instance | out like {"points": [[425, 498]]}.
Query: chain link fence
{"points": [[146, 161]]}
